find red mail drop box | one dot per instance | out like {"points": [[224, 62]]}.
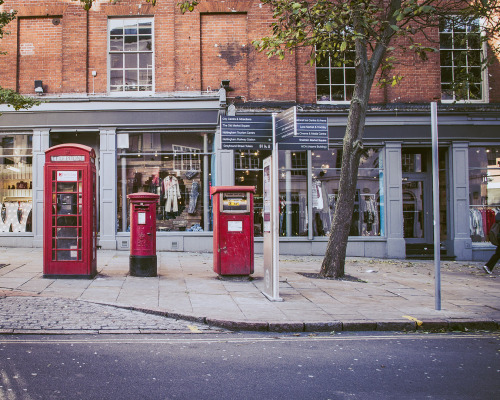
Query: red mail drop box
{"points": [[233, 229], [70, 217], [143, 260]]}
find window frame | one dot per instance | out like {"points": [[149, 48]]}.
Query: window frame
{"points": [[484, 69], [110, 52], [344, 85]]}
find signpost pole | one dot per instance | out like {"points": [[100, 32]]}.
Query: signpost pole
{"points": [[275, 215], [435, 192], [271, 223]]}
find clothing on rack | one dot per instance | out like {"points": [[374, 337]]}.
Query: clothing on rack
{"points": [[476, 223], [480, 222], [369, 214], [317, 195], [193, 197]]}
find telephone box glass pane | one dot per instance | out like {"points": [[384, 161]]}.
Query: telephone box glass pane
{"points": [[65, 255], [66, 221], [67, 243], [66, 204], [66, 186], [67, 232]]}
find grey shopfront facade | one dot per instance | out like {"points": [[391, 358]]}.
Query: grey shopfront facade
{"points": [[142, 145]]}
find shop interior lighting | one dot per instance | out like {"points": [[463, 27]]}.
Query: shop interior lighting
{"points": [[15, 169]]}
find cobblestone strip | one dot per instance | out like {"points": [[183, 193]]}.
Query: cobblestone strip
{"points": [[28, 314]]}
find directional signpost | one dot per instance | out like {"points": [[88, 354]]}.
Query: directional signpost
{"points": [[283, 131], [247, 132], [301, 133]]}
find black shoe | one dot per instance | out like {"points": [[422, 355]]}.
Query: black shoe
{"points": [[487, 270]]}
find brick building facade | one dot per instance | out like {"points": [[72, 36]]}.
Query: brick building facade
{"points": [[140, 84]]}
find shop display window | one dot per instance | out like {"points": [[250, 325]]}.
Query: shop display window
{"points": [[16, 174], [292, 171], [484, 190], [293, 167], [368, 213], [170, 165], [248, 172]]}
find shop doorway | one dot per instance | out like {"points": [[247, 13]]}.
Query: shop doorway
{"points": [[417, 210], [417, 200]]}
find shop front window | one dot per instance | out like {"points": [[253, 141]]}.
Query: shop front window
{"points": [[292, 171], [16, 174], [248, 172], [484, 190], [368, 213], [169, 165]]}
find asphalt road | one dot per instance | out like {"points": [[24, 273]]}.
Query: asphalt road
{"points": [[251, 366]]}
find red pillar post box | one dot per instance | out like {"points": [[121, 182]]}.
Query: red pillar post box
{"points": [[233, 229], [143, 260], [70, 217]]}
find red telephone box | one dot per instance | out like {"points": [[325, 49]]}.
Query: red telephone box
{"points": [[143, 260], [233, 229], [70, 218]]}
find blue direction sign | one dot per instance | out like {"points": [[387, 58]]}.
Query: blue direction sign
{"points": [[247, 132], [301, 133], [312, 134], [286, 126]]}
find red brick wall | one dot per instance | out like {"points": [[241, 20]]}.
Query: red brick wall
{"points": [[186, 58], [40, 54], [224, 52]]}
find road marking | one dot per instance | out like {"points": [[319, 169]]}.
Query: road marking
{"points": [[250, 340], [419, 323], [194, 329]]}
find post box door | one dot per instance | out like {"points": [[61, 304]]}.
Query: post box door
{"points": [[234, 245], [67, 204], [144, 226]]}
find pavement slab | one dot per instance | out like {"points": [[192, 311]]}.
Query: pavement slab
{"points": [[386, 294]]}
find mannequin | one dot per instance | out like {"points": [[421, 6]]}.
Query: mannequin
{"points": [[171, 193]]}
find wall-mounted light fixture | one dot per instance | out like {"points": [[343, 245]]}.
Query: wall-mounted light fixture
{"points": [[39, 87]]}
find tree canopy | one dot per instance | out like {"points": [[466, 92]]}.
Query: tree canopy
{"points": [[372, 34]]}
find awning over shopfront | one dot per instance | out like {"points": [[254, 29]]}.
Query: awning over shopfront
{"points": [[92, 115], [111, 118], [422, 132]]}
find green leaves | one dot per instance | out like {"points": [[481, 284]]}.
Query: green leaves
{"points": [[15, 100], [184, 5]]}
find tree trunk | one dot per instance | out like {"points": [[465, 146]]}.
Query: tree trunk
{"points": [[333, 265]]}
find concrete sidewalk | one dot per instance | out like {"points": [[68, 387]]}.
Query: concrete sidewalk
{"points": [[390, 294]]}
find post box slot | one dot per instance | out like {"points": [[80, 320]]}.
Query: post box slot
{"points": [[235, 202]]}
